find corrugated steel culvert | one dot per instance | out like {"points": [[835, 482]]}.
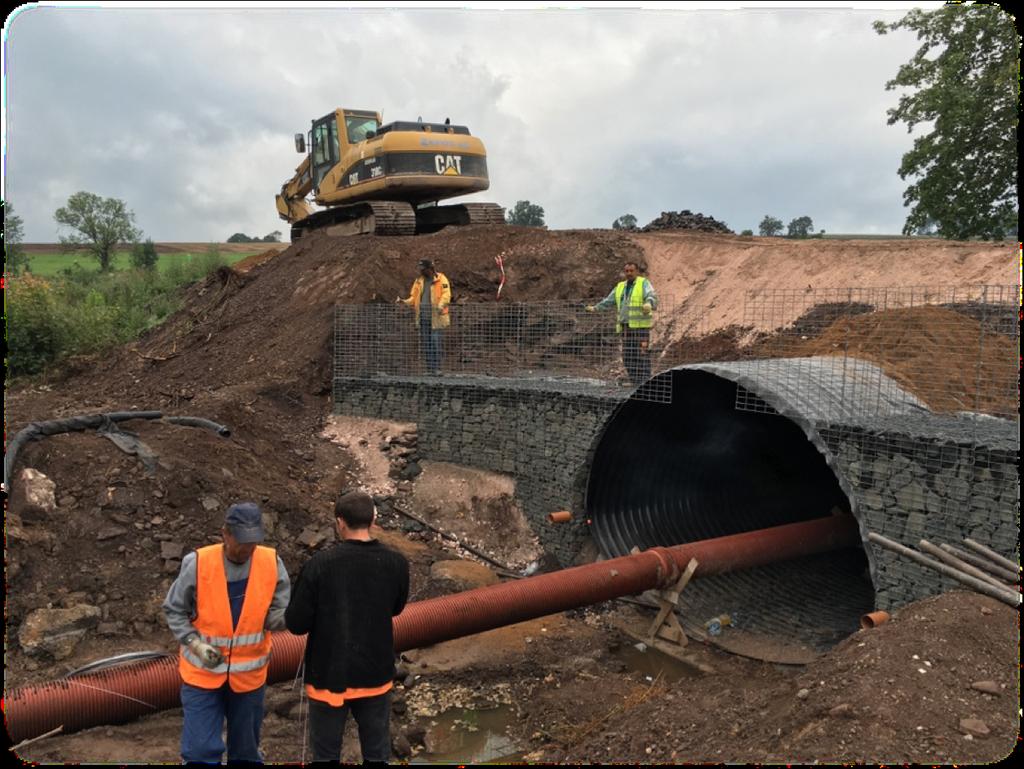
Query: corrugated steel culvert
{"points": [[699, 467]]}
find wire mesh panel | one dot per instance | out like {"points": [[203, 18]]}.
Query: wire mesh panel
{"points": [[560, 340], [952, 349]]}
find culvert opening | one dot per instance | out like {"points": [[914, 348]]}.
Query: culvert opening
{"points": [[696, 468]]}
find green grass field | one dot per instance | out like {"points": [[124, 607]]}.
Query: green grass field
{"points": [[49, 264]]}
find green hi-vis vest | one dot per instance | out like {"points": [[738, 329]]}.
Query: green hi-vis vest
{"points": [[636, 317]]}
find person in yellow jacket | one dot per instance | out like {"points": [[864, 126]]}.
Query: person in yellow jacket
{"points": [[634, 301], [226, 599], [430, 296]]}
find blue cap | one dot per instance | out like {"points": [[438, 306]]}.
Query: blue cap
{"points": [[245, 522]]}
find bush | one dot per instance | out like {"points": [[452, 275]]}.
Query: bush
{"points": [[83, 311], [747, 232], [144, 255], [36, 332]]}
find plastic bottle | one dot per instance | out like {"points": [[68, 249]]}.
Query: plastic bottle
{"points": [[715, 624]]}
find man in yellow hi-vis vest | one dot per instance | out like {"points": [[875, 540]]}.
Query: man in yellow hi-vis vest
{"points": [[634, 301], [226, 599], [430, 296]]}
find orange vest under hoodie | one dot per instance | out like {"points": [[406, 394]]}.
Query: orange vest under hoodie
{"points": [[246, 649]]}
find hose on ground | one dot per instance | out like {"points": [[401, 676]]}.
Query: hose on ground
{"points": [[37, 430]]}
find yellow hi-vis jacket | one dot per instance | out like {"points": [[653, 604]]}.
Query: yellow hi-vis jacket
{"points": [[246, 648], [440, 298], [636, 317]]}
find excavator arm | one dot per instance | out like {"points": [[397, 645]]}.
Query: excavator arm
{"points": [[291, 201]]}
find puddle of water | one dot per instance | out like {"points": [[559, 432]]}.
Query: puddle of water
{"points": [[653, 663], [470, 737]]}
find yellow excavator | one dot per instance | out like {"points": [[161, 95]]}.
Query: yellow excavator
{"points": [[385, 179]]}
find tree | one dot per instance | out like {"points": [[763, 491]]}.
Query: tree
{"points": [[770, 226], [99, 224], [964, 81], [274, 237], [144, 255], [15, 258], [747, 232], [800, 227], [239, 237], [526, 214], [625, 222]]}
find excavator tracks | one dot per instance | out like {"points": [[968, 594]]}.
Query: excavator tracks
{"points": [[370, 218], [395, 218]]}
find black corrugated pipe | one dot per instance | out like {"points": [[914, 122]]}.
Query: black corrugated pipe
{"points": [[698, 468], [36, 430]]}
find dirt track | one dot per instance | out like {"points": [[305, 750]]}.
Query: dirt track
{"points": [[252, 351]]}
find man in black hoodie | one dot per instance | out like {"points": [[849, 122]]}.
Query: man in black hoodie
{"points": [[345, 598]]}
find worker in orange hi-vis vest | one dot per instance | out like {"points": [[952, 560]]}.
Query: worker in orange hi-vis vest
{"points": [[221, 608]]}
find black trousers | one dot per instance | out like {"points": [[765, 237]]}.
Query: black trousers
{"points": [[373, 717], [636, 355]]}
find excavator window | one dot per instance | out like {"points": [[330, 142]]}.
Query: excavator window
{"points": [[360, 128]]}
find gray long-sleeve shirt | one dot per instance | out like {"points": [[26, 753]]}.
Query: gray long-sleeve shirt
{"points": [[609, 301], [180, 604]]}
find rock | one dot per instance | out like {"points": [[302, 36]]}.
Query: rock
{"points": [[803, 694], [111, 531], [401, 746], [37, 492], [158, 494], [985, 610], [409, 682], [171, 550], [989, 687], [410, 471], [416, 734], [210, 504], [172, 566], [843, 710], [973, 726], [398, 706], [67, 501], [110, 628], [462, 575], [57, 631], [310, 537], [401, 671]]}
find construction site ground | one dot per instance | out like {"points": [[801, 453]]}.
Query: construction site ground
{"points": [[252, 350]]}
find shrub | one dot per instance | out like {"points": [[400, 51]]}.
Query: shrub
{"points": [[36, 331]]}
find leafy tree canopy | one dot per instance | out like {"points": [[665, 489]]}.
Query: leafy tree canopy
{"points": [[770, 226], [963, 89], [98, 224], [526, 214], [625, 222], [800, 227], [15, 258]]}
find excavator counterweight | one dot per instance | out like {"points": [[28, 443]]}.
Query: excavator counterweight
{"points": [[379, 179]]}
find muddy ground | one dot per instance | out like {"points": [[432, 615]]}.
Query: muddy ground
{"points": [[251, 350]]}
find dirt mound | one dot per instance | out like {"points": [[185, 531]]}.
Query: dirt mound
{"points": [[944, 357], [896, 694], [246, 264], [686, 220]]}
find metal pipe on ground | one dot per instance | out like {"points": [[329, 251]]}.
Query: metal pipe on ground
{"points": [[122, 694], [983, 563], [1006, 595], [992, 555], [956, 563]]}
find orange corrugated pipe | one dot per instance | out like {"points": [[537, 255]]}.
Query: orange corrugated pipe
{"points": [[122, 694], [560, 517]]}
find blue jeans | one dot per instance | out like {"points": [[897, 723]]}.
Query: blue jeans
{"points": [[205, 710], [373, 717], [430, 346]]}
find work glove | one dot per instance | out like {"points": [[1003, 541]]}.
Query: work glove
{"points": [[647, 308], [590, 308], [209, 655]]}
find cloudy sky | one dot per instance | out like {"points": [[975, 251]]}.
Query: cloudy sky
{"points": [[187, 113]]}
